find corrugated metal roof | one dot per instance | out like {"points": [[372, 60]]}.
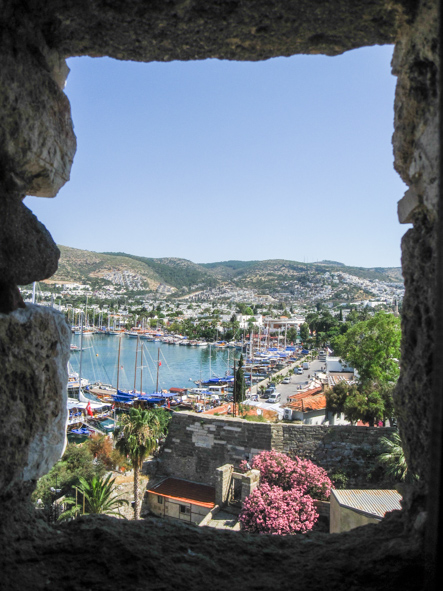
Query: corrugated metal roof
{"points": [[372, 502], [183, 490]]}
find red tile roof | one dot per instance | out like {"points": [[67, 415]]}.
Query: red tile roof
{"points": [[306, 393], [183, 490], [306, 401]]}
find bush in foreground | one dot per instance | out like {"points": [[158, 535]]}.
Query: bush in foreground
{"points": [[284, 502], [272, 510], [278, 469]]}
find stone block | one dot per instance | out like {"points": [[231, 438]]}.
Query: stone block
{"points": [[34, 354]]}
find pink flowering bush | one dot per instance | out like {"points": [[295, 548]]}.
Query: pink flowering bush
{"points": [[272, 510], [313, 479], [278, 469]]}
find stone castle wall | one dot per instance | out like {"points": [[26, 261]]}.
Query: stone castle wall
{"points": [[197, 445]]}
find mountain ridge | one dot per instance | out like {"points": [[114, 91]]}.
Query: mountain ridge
{"points": [[178, 274]]}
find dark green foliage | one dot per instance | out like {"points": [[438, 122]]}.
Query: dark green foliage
{"points": [[393, 458], [240, 386], [137, 436], [366, 402], [77, 462], [304, 331], [99, 497], [164, 418], [373, 348]]}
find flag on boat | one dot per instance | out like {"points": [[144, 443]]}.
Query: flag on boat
{"points": [[159, 363], [89, 410]]}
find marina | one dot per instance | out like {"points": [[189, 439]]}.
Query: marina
{"points": [[180, 366]]}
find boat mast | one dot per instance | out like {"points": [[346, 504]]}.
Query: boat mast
{"points": [[158, 367], [141, 369], [118, 360], [118, 369], [81, 355], [251, 355], [135, 368], [234, 393]]}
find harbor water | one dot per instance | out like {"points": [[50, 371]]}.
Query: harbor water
{"points": [[179, 366]]}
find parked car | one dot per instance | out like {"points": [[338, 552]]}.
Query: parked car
{"points": [[269, 390], [274, 398], [298, 370], [286, 380]]}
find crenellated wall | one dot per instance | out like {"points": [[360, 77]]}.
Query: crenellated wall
{"points": [[197, 445]]}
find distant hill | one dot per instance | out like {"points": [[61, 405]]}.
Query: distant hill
{"points": [[175, 272], [335, 263], [147, 274], [84, 266], [254, 272]]}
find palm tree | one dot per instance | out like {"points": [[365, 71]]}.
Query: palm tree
{"points": [[393, 457], [137, 437], [98, 495]]}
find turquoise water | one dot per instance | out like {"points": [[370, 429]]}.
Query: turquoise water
{"points": [[178, 364]]}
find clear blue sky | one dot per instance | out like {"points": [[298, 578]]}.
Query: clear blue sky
{"points": [[215, 160]]}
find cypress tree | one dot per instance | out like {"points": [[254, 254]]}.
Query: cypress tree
{"points": [[240, 386]]}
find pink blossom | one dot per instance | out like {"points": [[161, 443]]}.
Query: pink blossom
{"points": [[278, 469], [272, 510]]}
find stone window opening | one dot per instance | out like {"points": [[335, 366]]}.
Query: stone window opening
{"points": [[37, 145]]}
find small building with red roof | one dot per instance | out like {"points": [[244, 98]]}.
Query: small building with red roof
{"points": [[310, 408], [181, 499]]}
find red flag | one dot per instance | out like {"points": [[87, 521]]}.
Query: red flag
{"points": [[89, 410], [169, 403], [113, 406], [159, 363]]}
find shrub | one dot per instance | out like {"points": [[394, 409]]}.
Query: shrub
{"points": [[340, 479], [278, 469], [272, 510], [101, 448], [311, 478]]}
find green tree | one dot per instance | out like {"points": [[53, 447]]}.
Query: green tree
{"points": [[372, 347], [77, 461], [291, 335], [366, 405], [240, 385], [336, 397], [136, 437], [99, 496], [304, 331]]}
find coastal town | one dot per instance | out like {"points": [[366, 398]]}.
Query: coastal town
{"points": [[258, 359]]}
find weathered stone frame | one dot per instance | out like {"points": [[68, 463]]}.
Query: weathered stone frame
{"points": [[37, 146]]}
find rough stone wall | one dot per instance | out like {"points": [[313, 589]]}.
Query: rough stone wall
{"points": [[197, 446], [34, 348], [234, 29], [416, 151], [37, 145]]}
